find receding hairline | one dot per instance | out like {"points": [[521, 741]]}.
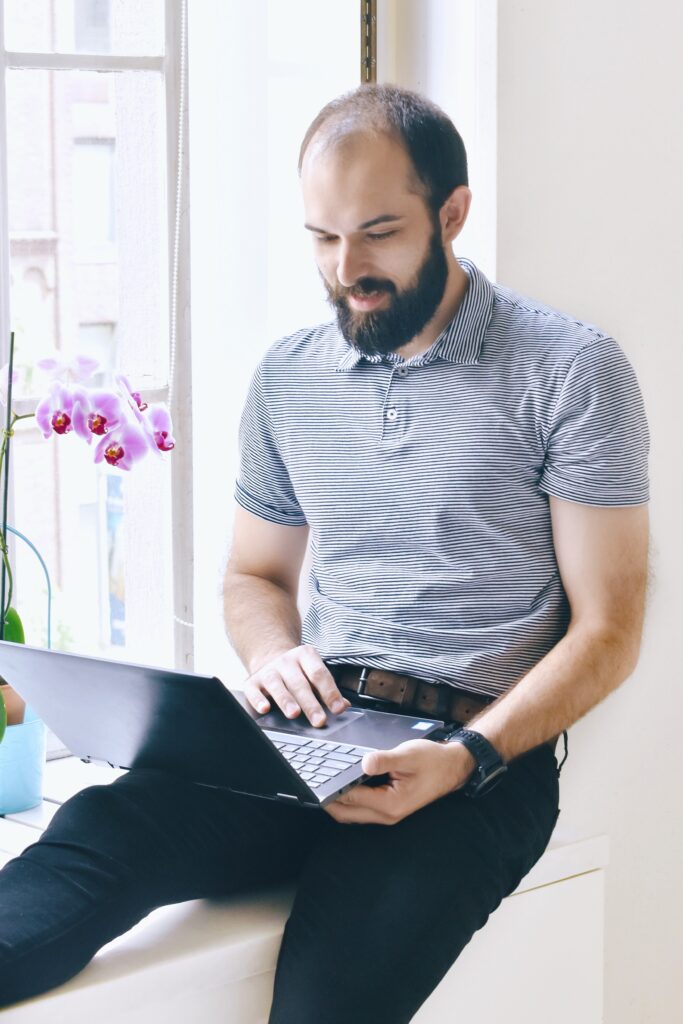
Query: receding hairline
{"points": [[335, 133]]}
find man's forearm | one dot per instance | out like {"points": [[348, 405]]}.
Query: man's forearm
{"points": [[261, 618], [581, 670]]}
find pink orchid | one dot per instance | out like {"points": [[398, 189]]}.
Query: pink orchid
{"points": [[123, 447], [97, 413], [78, 369], [54, 414], [155, 419], [159, 420]]}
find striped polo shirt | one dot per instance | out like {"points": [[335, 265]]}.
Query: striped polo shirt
{"points": [[425, 481]]}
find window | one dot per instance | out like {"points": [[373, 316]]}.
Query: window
{"points": [[93, 259]]}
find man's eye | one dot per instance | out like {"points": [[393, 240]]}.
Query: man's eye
{"points": [[325, 238], [378, 236]]}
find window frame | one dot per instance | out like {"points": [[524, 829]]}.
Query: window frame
{"points": [[172, 64]]}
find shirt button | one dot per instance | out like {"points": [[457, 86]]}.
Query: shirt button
{"points": [[391, 414], [402, 370]]}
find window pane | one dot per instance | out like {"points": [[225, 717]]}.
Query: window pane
{"points": [[89, 275], [87, 216], [120, 27]]}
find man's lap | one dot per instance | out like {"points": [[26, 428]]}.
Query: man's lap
{"points": [[112, 853]]}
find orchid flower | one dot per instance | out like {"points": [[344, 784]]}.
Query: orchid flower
{"points": [[54, 414], [97, 413], [155, 419], [124, 427], [159, 422], [123, 447], [76, 369]]}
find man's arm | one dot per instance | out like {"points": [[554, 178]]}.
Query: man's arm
{"points": [[602, 557], [261, 616]]}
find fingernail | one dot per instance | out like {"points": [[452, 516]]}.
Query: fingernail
{"points": [[318, 719], [338, 706], [291, 709], [262, 706]]}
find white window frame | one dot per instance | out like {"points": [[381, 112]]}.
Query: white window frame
{"points": [[172, 64]]}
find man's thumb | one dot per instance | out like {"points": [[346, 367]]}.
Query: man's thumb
{"points": [[379, 762]]}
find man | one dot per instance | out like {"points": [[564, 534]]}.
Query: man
{"points": [[470, 468]]}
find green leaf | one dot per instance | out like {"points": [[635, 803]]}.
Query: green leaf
{"points": [[14, 629]]}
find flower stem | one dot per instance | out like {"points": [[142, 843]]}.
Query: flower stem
{"points": [[12, 418]]}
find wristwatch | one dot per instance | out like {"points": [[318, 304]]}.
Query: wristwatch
{"points": [[490, 767]]}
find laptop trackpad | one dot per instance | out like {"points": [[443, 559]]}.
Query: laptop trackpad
{"points": [[378, 729], [302, 727]]}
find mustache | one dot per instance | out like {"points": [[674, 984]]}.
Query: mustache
{"points": [[362, 287]]}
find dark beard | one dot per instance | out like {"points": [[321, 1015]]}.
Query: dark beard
{"points": [[408, 313]]}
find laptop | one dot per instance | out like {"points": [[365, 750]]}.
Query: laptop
{"points": [[138, 717]]}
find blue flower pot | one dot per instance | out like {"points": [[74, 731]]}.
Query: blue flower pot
{"points": [[22, 759]]}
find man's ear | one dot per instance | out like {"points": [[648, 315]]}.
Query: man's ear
{"points": [[453, 213]]}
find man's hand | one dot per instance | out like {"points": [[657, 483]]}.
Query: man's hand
{"points": [[420, 771], [294, 680]]}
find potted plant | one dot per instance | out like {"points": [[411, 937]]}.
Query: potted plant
{"points": [[123, 430]]}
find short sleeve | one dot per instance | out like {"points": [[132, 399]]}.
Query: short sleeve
{"points": [[263, 485], [598, 441]]}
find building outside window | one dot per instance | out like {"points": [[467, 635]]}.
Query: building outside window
{"points": [[88, 234]]}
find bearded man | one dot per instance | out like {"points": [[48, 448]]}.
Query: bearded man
{"points": [[470, 468]]}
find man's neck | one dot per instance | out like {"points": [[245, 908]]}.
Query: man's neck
{"points": [[456, 286]]}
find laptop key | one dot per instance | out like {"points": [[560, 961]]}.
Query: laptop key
{"points": [[318, 779], [346, 758], [284, 737], [340, 766], [344, 748], [330, 746], [329, 772]]}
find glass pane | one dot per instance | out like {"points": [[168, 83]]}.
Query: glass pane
{"points": [[119, 27], [88, 268], [88, 218]]}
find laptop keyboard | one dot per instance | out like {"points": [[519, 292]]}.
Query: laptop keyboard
{"points": [[316, 761]]}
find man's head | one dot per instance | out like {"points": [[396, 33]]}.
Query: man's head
{"points": [[384, 177]]}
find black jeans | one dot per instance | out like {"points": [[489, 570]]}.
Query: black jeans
{"points": [[380, 913]]}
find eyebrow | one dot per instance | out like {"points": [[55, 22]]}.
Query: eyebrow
{"points": [[384, 218]]}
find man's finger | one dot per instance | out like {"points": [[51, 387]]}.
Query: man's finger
{"points": [[357, 815], [272, 685], [380, 762], [323, 680]]}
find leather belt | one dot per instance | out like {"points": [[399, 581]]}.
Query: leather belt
{"points": [[411, 695]]}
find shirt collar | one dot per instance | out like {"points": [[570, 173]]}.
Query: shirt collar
{"points": [[461, 339]]}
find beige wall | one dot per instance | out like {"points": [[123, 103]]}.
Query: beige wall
{"points": [[589, 202]]}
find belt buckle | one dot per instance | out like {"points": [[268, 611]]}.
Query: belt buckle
{"points": [[360, 693]]}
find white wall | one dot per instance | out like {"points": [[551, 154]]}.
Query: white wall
{"points": [[589, 219], [258, 74], [590, 214]]}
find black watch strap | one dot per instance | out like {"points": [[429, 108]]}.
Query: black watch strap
{"points": [[490, 766]]}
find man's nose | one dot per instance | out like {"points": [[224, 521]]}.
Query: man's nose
{"points": [[349, 265]]}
